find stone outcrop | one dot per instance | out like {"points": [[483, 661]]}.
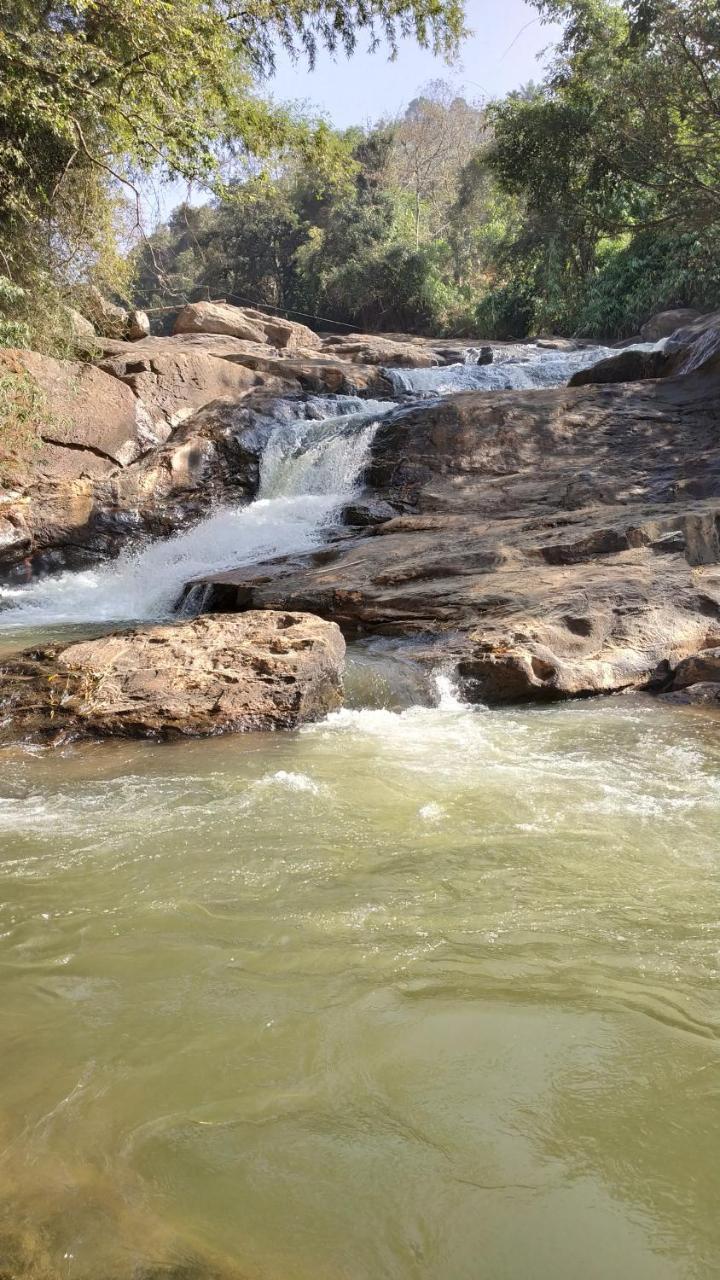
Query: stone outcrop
{"points": [[172, 381], [664, 323], [213, 675], [244, 322], [370, 348], [68, 522], [92, 422], [627, 366], [555, 542]]}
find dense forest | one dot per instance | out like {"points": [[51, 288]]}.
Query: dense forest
{"points": [[576, 205]]}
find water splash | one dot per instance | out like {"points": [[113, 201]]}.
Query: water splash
{"points": [[309, 469]]}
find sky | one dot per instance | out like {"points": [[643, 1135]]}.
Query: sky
{"points": [[500, 54]]}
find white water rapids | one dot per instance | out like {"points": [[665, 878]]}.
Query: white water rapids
{"points": [[309, 470], [519, 369]]}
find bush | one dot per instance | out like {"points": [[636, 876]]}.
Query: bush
{"points": [[507, 312]]}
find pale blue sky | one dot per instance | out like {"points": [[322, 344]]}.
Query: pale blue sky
{"points": [[500, 54]]}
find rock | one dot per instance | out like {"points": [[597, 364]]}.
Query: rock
{"points": [[699, 668], [627, 366], [244, 322], [553, 542], [664, 323], [318, 375], [92, 422], [173, 382], [373, 348], [217, 674], [106, 317], [82, 332], [364, 514], [138, 326], [706, 696]]}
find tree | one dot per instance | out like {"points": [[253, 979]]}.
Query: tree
{"points": [[431, 143], [95, 92]]}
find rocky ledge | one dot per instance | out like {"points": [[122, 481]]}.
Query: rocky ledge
{"points": [[270, 670], [553, 542]]}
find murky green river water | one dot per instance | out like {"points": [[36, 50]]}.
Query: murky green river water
{"points": [[422, 994]]}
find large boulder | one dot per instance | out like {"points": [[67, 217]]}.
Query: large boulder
{"points": [[217, 674], [630, 365], [664, 323], [138, 326], [172, 381], [699, 668], [90, 422], [246, 323]]}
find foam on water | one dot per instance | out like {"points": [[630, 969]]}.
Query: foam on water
{"points": [[309, 468], [524, 368]]}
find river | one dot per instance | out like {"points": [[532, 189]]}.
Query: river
{"points": [[421, 992]]}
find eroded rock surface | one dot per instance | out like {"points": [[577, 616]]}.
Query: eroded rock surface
{"points": [[222, 674], [556, 542]]}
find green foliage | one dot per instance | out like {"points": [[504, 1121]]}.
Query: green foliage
{"points": [[94, 93], [614, 169]]}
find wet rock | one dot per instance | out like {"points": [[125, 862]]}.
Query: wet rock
{"points": [[626, 366], [217, 674], [699, 668], [533, 594], [364, 514], [695, 695]]}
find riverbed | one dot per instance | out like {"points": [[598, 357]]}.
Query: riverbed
{"points": [[421, 991]]}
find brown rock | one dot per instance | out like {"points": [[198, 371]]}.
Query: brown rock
{"points": [[244, 322], [556, 542], [626, 366], [699, 668], [217, 674], [172, 382], [374, 348], [138, 326], [664, 323], [704, 696], [93, 423]]}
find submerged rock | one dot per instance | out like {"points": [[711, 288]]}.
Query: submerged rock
{"points": [[216, 674]]}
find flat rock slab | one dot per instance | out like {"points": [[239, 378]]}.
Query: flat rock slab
{"points": [[216, 674]]}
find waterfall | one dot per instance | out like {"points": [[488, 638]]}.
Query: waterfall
{"points": [[309, 468], [519, 369]]}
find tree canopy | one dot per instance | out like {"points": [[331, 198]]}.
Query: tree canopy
{"points": [[95, 92]]}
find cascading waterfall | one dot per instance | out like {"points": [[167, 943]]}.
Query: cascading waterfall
{"points": [[520, 369], [309, 468]]}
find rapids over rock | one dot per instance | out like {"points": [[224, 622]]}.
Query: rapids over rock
{"points": [[425, 986]]}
